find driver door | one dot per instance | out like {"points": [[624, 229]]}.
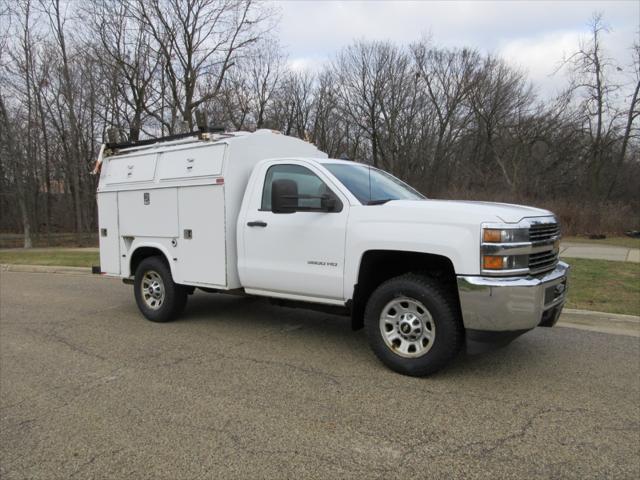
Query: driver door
{"points": [[301, 252]]}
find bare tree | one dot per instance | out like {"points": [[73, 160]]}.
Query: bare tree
{"points": [[632, 113], [123, 42], [67, 126], [250, 87], [12, 151], [447, 77], [588, 68], [196, 39], [329, 130], [453, 122], [359, 72], [22, 148], [501, 99]]}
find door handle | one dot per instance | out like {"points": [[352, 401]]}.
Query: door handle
{"points": [[257, 223]]}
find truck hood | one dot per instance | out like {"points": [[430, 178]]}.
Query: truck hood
{"points": [[469, 211]]}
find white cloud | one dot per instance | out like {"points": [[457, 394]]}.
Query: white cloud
{"points": [[301, 63], [532, 34], [542, 55], [322, 24]]}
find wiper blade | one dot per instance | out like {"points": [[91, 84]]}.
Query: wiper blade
{"points": [[379, 202]]}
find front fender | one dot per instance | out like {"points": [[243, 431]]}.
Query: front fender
{"points": [[458, 243]]}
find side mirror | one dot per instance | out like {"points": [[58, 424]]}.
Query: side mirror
{"points": [[327, 203], [284, 196]]}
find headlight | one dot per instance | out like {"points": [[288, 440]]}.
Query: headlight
{"points": [[502, 250], [505, 262], [505, 235]]}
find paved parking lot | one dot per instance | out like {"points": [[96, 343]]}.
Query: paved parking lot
{"points": [[241, 389]]}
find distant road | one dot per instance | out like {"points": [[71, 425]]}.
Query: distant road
{"points": [[241, 389], [600, 252]]}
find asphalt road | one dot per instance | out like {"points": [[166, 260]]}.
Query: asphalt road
{"points": [[241, 389]]}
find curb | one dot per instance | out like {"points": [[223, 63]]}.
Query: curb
{"points": [[613, 316], [611, 323], [45, 269]]}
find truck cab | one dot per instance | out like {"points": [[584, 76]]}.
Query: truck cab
{"points": [[267, 215]]}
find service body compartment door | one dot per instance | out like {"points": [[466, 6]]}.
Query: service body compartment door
{"points": [[131, 169], [201, 246], [192, 163], [149, 213], [108, 233]]}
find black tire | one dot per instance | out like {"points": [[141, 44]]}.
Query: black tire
{"points": [[440, 304], [175, 296]]}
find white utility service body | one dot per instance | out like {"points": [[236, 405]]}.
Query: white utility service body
{"points": [[215, 212], [184, 199]]}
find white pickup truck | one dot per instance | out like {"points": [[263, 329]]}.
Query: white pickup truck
{"points": [[270, 215]]}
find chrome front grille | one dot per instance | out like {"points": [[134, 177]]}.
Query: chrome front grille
{"points": [[543, 261], [543, 231]]}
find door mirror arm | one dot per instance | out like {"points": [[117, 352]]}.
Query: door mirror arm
{"points": [[327, 203]]}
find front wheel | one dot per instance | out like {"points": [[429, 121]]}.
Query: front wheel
{"points": [[412, 325], [158, 297]]}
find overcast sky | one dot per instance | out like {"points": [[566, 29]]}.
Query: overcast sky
{"points": [[531, 34]]}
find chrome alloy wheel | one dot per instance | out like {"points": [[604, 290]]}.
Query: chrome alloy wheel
{"points": [[152, 289], [407, 327]]}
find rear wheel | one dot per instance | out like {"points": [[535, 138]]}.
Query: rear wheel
{"points": [[412, 325], [158, 297]]}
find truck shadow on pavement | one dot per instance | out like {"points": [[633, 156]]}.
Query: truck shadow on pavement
{"points": [[307, 330]]}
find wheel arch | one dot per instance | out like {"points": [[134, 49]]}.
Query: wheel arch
{"points": [[377, 266], [145, 251]]}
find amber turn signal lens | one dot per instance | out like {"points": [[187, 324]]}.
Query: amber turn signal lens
{"points": [[491, 236], [492, 262]]}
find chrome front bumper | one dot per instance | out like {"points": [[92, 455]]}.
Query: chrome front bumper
{"points": [[515, 303]]}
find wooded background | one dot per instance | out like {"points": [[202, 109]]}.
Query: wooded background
{"points": [[454, 123]]}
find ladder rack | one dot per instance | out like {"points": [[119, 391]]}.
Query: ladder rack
{"points": [[168, 138], [178, 139]]}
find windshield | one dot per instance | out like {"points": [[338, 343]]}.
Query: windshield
{"points": [[370, 185]]}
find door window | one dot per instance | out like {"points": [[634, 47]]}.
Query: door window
{"points": [[310, 187]]}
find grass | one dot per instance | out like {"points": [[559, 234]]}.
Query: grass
{"points": [[50, 257], [616, 241], [16, 240], [604, 286]]}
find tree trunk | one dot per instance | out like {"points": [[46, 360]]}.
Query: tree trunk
{"points": [[18, 159]]}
